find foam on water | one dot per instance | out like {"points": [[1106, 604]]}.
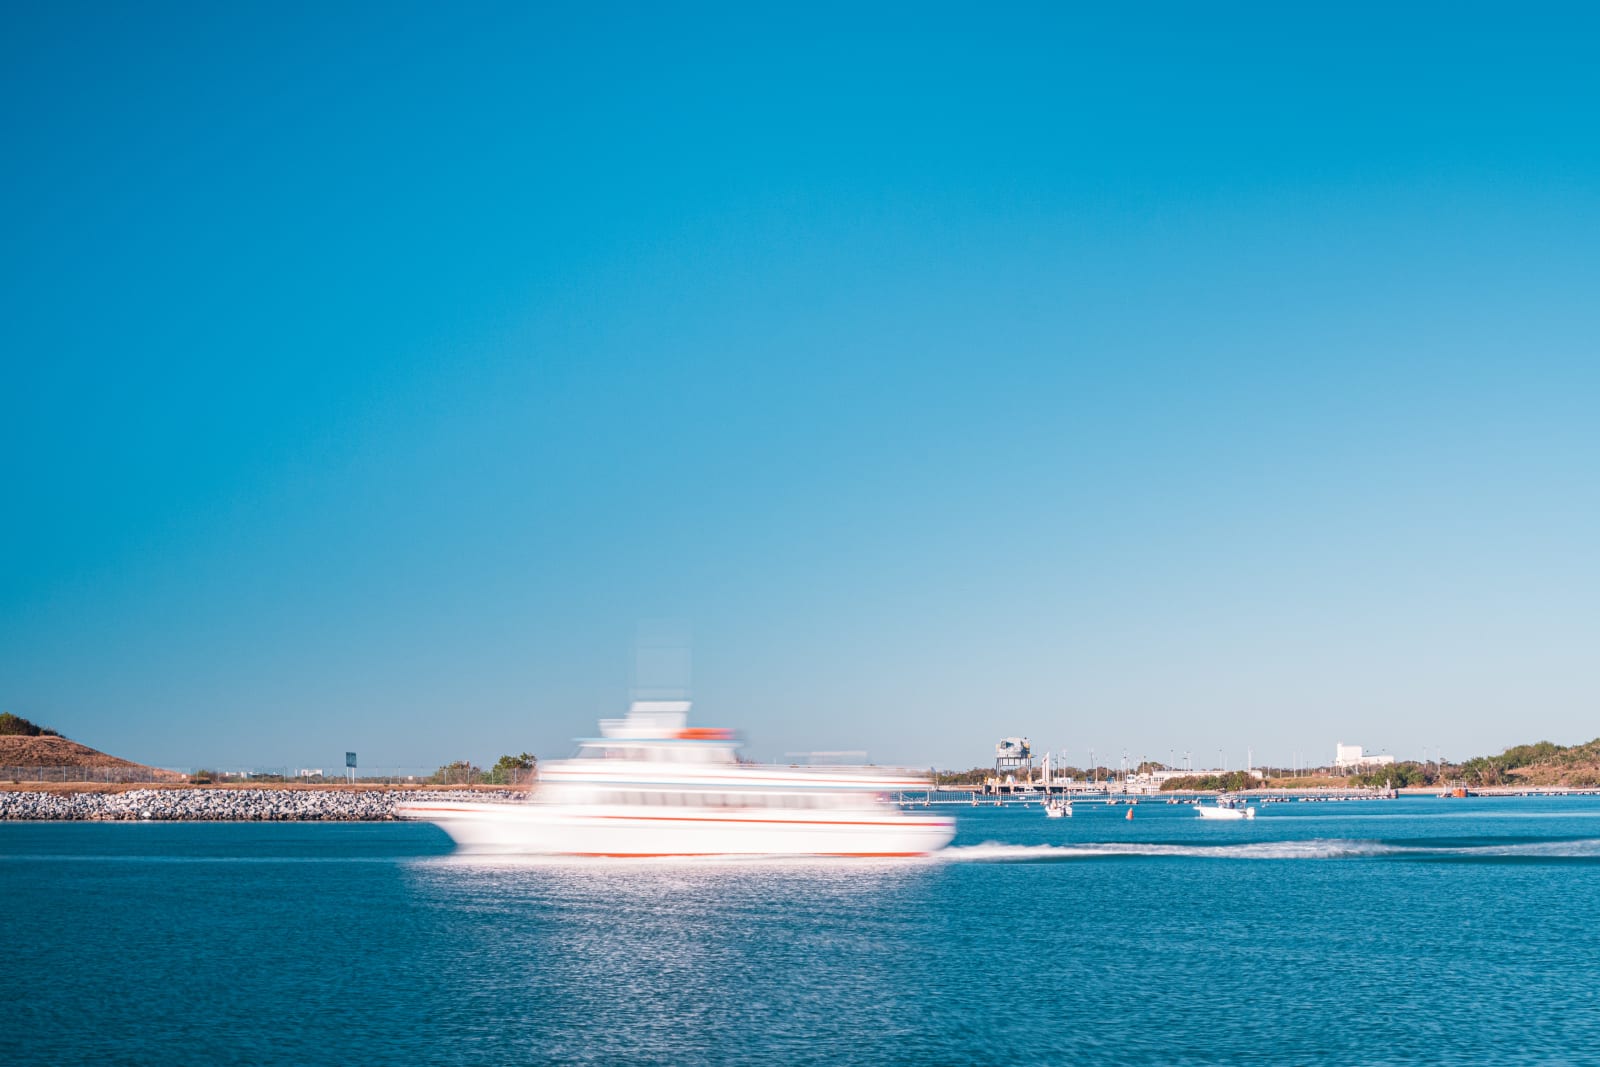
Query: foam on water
{"points": [[1314, 848], [1002, 852]]}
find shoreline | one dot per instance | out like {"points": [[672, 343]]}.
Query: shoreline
{"points": [[226, 787], [210, 804], [286, 802]]}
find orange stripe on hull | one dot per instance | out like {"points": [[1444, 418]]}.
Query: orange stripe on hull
{"points": [[907, 822], [876, 784], [642, 855], [770, 822], [707, 855]]}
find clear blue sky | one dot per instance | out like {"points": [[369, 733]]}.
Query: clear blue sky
{"points": [[1186, 377]]}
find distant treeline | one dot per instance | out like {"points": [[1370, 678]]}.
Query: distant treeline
{"points": [[978, 775], [1544, 763], [1538, 764], [1232, 782], [509, 770]]}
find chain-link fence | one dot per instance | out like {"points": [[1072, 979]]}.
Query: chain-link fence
{"points": [[88, 774], [454, 774]]}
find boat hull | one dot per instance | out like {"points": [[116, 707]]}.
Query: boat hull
{"points": [[540, 829], [1225, 813]]}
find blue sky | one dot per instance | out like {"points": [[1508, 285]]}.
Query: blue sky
{"points": [[1180, 378]]}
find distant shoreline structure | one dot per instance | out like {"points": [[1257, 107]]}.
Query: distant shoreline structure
{"points": [[32, 755], [345, 803]]}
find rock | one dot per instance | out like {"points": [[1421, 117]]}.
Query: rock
{"points": [[225, 805]]}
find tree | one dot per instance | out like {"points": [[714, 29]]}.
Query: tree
{"points": [[975, 776], [514, 770], [1485, 770], [17, 726], [461, 772], [1232, 782], [1399, 775]]}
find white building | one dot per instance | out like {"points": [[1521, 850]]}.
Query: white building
{"points": [[1150, 781], [1350, 757]]}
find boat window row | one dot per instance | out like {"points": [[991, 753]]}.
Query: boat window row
{"points": [[658, 753], [739, 801]]}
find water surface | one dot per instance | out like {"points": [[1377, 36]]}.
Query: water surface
{"points": [[1413, 931]]}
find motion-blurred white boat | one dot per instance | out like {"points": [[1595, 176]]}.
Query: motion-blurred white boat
{"points": [[650, 785]]}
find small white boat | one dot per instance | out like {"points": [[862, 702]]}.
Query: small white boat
{"points": [[1058, 809], [1227, 807]]}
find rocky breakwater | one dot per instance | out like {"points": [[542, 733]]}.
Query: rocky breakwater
{"points": [[225, 805]]}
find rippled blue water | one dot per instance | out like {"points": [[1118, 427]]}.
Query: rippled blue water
{"points": [[1413, 931]]}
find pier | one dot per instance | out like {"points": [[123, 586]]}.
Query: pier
{"points": [[1020, 795]]}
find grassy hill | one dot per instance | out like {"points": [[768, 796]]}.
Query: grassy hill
{"points": [[1540, 764], [22, 744], [48, 750]]}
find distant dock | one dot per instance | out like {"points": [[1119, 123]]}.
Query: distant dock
{"points": [[1022, 795]]}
